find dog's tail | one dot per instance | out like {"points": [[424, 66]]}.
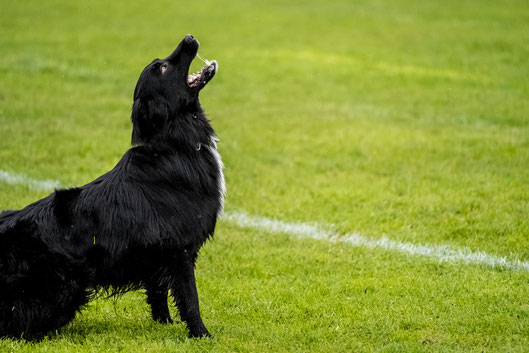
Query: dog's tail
{"points": [[40, 290]]}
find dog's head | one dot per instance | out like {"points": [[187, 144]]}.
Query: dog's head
{"points": [[166, 92]]}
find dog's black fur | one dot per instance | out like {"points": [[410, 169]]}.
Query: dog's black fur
{"points": [[140, 225]]}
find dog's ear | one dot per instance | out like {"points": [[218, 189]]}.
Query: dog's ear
{"points": [[149, 119]]}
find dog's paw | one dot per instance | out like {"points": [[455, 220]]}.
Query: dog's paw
{"points": [[163, 319], [201, 332]]}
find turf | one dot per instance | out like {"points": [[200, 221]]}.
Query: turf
{"points": [[399, 118]]}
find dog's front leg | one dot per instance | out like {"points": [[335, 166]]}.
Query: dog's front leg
{"points": [[157, 298], [184, 290]]}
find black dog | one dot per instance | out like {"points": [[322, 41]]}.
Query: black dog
{"points": [[140, 225]]}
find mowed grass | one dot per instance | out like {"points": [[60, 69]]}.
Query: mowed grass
{"points": [[400, 118]]}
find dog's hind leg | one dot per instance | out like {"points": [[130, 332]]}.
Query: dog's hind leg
{"points": [[157, 299], [40, 290], [184, 291]]}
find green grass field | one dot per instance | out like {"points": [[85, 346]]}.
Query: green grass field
{"points": [[407, 119]]}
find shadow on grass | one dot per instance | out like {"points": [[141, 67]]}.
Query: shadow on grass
{"points": [[126, 328], [108, 332]]}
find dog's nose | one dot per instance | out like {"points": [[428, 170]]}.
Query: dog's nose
{"points": [[189, 38]]}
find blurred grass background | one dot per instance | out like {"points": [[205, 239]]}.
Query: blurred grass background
{"points": [[405, 118]]}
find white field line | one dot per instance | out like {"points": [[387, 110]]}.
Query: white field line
{"points": [[33, 184], [441, 253]]}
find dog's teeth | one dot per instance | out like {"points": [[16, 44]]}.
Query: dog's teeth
{"points": [[193, 77]]}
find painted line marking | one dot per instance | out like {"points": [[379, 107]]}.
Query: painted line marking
{"points": [[33, 184], [442, 253]]}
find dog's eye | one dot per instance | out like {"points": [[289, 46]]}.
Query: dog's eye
{"points": [[163, 68]]}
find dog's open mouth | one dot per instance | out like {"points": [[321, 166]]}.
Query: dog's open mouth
{"points": [[199, 79]]}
